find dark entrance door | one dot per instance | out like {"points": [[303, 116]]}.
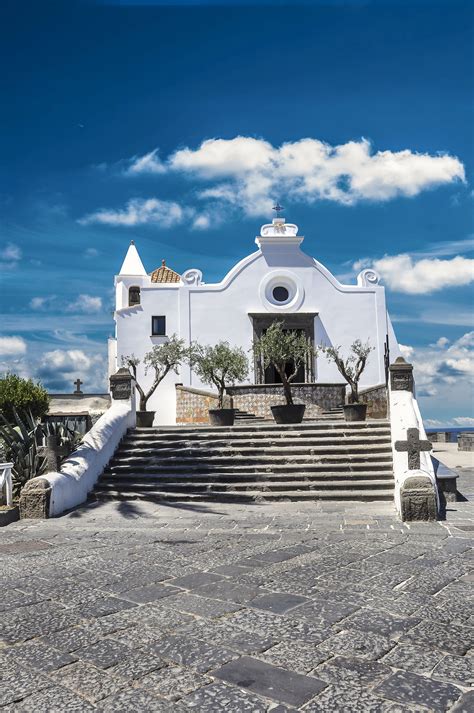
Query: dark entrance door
{"points": [[272, 376], [301, 322]]}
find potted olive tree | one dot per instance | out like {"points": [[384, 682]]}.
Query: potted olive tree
{"points": [[280, 347], [351, 369], [162, 359], [219, 366]]}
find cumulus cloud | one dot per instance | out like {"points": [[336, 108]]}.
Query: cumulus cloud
{"points": [[140, 211], [10, 256], [12, 346], [464, 421], [86, 304], [440, 367], [83, 304], [407, 352], [91, 252], [419, 277], [149, 163], [250, 172], [59, 368]]}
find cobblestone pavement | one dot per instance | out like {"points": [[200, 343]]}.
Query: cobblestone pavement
{"points": [[146, 607]]}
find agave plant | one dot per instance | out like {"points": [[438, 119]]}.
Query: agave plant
{"points": [[22, 448], [67, 433]]}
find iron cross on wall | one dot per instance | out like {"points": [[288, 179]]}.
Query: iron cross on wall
{"points": [[413, 446]]}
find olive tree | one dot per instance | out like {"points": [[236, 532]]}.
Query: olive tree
{"points": [[219, 366], [279, 347], [160, 360], [352, 367]]}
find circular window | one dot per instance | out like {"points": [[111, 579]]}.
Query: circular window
{"points": [[280, 293]]}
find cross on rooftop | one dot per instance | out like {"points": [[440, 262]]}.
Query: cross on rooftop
{"points": [[277, 208], [78, 383], [413, 446]]}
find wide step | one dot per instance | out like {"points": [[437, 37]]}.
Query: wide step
{"points": [[254, 461]]}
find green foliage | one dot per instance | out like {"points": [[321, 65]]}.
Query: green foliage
{"points": [[68, 436], [278, 347], [23, 440], [162, 359], [219, 365], [352, 367], [22, 448], [22, 395]]}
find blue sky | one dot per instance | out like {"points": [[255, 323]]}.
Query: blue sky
{"points": [[106, 108]]}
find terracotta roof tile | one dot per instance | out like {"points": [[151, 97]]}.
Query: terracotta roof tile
{"points": [[164, 274]]}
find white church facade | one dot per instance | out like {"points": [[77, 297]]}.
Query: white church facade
{"points": [[277, 281]]}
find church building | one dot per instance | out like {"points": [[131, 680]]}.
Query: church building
{"points": [[277, 281]]}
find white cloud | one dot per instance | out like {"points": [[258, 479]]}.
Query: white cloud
{"points": [[10, 252], [59, 368], [433, 422], [149, 163], [38, 303], [12, 346], [86, 304], [250, 172], [91, 252], [140, 211], [402, 274], [445, 371], [464, 421], [10, 256], [407, 352]]}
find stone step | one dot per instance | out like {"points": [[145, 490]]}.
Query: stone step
{"points": [[323, 456], [324, 439], [210, 450], [248, 496], [340, 466], [263, 485], [263, 427], [241, 476]]}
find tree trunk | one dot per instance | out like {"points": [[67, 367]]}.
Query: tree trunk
{"points": [[287, 391], [354, 393]]}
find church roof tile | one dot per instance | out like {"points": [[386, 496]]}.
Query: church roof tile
{"points": [[164, 274]]}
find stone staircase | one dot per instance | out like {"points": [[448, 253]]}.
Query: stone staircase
{"points": [[330, 460]]}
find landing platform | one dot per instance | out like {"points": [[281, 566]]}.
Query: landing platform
{"points": [[316, 607]]}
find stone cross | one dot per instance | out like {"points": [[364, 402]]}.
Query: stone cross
{"points": [[413, 446], [277, 208], [78, 383]]}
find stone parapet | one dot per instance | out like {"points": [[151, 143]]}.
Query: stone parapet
{"points": [[192, 405], [466, 441], [258, 398], [376, 398]]}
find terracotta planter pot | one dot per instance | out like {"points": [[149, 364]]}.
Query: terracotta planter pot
{"points": [[355, 412], [288, 414], [221, 416], [145, 419]]}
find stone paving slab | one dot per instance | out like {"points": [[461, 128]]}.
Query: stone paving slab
{"points": [[270, 607]]}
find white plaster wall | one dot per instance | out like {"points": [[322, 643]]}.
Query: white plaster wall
{"points": [[80, 471], [405, 414], [211, 312]]}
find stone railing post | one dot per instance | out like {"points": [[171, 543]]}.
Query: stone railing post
{"points": [[122, 388], [401, 375], [415, 480]]}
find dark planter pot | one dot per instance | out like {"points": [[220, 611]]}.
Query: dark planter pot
{"points": [[288, 414], [9, 514], [221, 416], [145, 419], [355, 412]]}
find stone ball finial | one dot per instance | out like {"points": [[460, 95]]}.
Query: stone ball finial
{"points": [[163, 263]]}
